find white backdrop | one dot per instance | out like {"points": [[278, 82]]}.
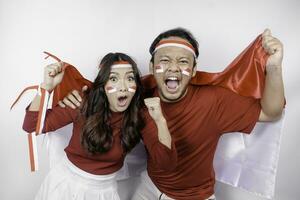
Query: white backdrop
{"points": [[81, 32]]}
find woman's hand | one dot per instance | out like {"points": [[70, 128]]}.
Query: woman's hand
{"points": [[53, 75]]}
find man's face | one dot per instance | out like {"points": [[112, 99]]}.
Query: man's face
{"points": [[173, 69], [120, 88]]}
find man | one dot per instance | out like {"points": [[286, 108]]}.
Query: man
{"points": [[198, 115]]}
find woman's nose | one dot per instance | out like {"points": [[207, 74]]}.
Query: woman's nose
{"points": [[123, 86]]}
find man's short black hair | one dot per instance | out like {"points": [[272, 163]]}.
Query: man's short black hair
{"points": [[176, 32]]}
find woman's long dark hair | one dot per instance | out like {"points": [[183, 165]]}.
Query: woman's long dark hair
{"points": [[97, 135]]}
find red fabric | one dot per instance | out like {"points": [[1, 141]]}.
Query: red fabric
{"points": [[72, 80], [244, 76]]}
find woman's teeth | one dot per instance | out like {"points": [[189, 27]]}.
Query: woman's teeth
{"points": [[122, 101]]}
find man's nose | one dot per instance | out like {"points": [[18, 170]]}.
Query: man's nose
{"points": [[173, 67]]}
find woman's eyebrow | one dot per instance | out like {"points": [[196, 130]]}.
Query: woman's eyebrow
{"points": [[129, 72]]}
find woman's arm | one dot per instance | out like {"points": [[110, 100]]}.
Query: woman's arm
{"points": [[53, 75], [56, 117]]}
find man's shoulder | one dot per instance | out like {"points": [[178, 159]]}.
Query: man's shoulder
{"points": [[211, 89], [205, 89]]}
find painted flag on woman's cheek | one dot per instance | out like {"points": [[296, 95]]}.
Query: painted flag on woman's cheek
{"points": [[238, 160]]}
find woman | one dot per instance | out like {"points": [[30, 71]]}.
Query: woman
{"points": [[105, 129]]}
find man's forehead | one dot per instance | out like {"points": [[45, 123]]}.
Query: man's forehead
{"points": [[174, 52]]}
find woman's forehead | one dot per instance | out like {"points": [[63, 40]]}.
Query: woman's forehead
{"points": [[123, 70]]}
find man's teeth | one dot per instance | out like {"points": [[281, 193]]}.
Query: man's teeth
{"points": [[172, 78]]}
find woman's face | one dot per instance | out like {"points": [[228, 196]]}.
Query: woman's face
{"points": [[120, 88]]}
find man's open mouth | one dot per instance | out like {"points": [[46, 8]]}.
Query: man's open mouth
{"points": [[172, 83], [122, 100]]}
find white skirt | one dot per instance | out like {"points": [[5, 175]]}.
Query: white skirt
{"points": [[65, 181]]}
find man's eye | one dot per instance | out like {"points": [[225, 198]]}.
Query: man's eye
{"points": [[164, 60], [184, 61]]}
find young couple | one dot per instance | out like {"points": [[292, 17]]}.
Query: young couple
{"points": [[180, 123]]}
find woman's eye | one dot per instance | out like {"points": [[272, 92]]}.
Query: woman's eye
{"points": [[130, 78], [113, 79]]}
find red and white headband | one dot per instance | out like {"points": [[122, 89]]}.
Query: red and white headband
{"points": [[175, 43], [121, 64]]}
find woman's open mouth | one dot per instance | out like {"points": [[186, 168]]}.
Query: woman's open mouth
{"points": [[122, 101]]}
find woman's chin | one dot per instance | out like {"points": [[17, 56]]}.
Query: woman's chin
{"points": [[121, 108]]}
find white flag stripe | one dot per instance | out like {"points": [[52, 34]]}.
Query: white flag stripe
{"points": [[185, 72], [121, 66], [112, 90]]}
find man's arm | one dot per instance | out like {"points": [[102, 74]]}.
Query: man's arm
{"points": [[272, 101], [73, 99]]}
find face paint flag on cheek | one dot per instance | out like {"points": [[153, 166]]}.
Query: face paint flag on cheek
{"points": [[186, 71], [159, 69], [132, 89], [111, 89]]}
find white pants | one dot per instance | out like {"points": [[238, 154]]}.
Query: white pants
{"points": [[65, 181], [148, 191]]}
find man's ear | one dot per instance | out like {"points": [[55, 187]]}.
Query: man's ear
{"points": [[151, 68], [194, 70]]}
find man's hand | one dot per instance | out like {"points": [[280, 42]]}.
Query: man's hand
{"points": [[272, 101], [73, 99], [274, 48], [154, 109]]}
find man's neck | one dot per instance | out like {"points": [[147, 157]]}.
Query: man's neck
{"points": [[172, 100]]}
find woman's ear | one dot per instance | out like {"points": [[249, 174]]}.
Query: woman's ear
{"points": [[151, 67]]}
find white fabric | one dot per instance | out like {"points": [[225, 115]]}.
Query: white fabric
{"points": [[244, 161], [67, 182], [250, 161], [148, 191]]}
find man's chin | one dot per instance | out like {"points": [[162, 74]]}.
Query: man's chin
{"points": [[170, 97]]}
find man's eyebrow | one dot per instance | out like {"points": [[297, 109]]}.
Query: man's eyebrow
{"points": [[113, 73], [164, 56], [185, 57]]}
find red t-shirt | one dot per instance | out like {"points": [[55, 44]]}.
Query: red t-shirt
{"points": [[104, 163], [196, 123]]}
